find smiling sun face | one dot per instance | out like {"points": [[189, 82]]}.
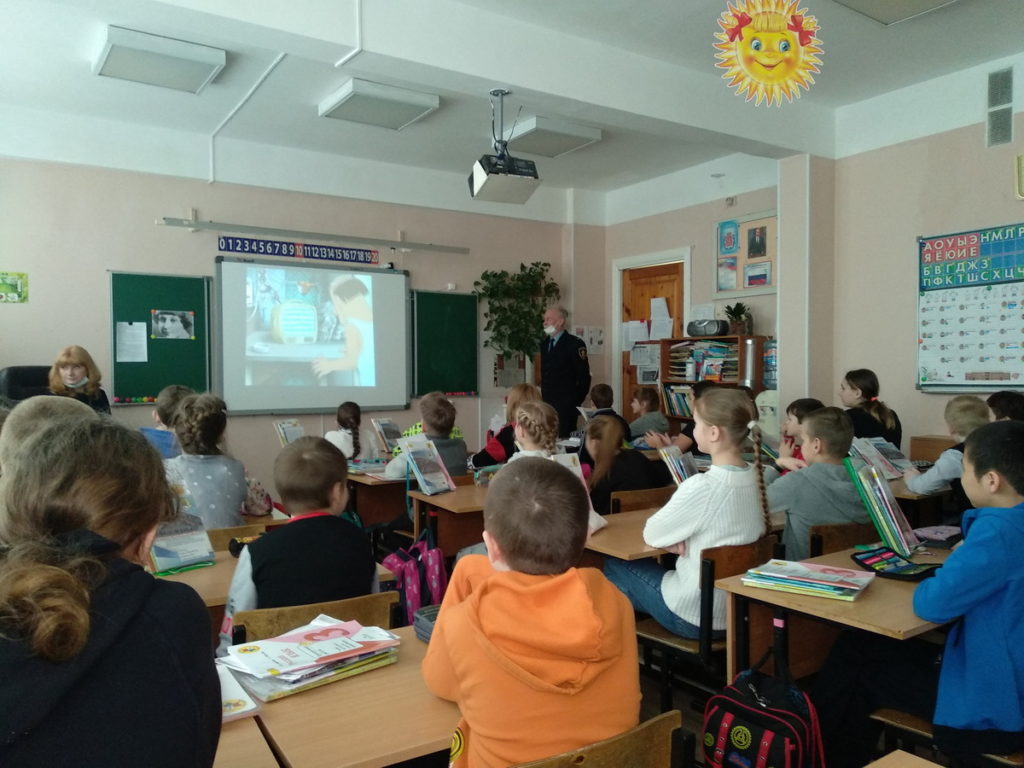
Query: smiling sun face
{"points": [[768, 49]]}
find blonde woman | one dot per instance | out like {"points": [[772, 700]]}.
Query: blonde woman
{"points": [[74, 374]]}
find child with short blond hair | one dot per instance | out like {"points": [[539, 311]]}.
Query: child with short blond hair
{"points": [[505, 611], [963, 415]]}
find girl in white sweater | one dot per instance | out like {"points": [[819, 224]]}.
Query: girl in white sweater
{"points": [[726, 505]]}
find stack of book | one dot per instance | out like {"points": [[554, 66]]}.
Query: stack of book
{"points": [[885, 513], [677, 400], [323, 651], [680, 465], [805, 578], [678, 356], [713, 360]]}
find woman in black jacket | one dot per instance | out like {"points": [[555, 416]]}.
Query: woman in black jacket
{"points": [[102, 664]]}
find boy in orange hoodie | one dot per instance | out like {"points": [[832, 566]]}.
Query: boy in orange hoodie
{"points": [[539, 655]]}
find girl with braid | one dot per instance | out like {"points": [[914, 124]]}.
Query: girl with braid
{"points": [[348, 437], [726, 505], [870, 416], [211, 485], [536, 430]]}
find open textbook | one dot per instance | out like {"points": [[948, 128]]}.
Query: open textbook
{"points": [[426, 464], [387, 433]]}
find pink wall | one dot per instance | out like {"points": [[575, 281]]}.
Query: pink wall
{"points": [[66, 226], [885, 199]]}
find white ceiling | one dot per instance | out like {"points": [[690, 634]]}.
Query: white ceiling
{"points": [[582, 60]]}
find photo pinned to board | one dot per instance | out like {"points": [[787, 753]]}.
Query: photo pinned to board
{"points": [[172, 324]]}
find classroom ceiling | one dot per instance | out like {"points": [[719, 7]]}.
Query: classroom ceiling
{"points": [[577, 60]]}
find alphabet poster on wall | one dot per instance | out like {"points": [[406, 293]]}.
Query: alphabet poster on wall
{"points": [[970, 315]]}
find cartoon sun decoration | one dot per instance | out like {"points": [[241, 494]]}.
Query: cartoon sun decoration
{"points": [[768, 49]]}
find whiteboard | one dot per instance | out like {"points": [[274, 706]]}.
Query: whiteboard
{"points": [[970, 311]]}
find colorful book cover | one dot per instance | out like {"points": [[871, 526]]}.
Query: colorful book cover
{"points": [[181, 543], [388, 434], [426, 463], [809, 578]]}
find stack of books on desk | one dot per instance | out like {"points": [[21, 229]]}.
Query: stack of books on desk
{"points": [[323, 651], [804, 578]]}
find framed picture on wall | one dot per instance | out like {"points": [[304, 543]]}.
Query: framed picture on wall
{"points": [[746, 251]]}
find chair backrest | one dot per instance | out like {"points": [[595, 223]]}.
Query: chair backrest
{"points": [[626, 501], [219, 537], [20, 382], [826, 539], [721, 563], [369, 610], [462, 479], [649, 745]]}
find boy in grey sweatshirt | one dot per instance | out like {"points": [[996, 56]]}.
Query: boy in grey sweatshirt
{"points": [[823, 493]]}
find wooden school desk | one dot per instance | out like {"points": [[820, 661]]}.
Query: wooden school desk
{"points": [[380, 717], [623, 537], [459, 520], [376, 500], [901, 759], [242, 745], [885, 608]]}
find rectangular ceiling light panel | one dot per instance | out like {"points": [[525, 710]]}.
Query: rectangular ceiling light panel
{"points": [[386, 106], [893, 11], [549, 137], [156, 60]]}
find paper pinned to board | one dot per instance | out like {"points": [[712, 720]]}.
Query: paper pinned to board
{"points": [[633, 331], [130, 341]]}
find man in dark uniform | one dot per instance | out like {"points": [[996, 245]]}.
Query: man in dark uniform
{"points": [[564, 370]]}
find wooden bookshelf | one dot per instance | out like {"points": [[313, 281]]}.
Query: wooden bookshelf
{"points": [[749, 351]]}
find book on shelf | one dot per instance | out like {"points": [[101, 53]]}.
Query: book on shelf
{"points": [[680, 465], [321, 652], [805, 578], [181, 543], [289, 430], [426, 463], [387, 433], [678, 400], [865, 450], [883, 509]]}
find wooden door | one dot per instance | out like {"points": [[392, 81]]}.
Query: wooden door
{"points": [[639, 286]]}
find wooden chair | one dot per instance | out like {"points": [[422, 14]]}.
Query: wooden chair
{"points": [[918, 732], [626, 501], [716, 563], [219, 537], [369, 610], [652, 744], [461, 480], [826, 539]]}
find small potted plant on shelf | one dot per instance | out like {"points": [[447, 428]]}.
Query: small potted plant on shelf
{"points": [[740, 321]]}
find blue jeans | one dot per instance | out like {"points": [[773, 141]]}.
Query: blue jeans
{"points": [[640, 581]]}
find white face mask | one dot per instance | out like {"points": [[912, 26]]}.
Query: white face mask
{"points": [[79, 384], [550, 330]]}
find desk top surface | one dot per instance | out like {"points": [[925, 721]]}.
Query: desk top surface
{"points": [[383, 716], [242, 745], [623, 537], [465, 498], [885, 607], [213, 582], [367, 479]]}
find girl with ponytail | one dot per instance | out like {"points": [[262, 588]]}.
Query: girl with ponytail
{"points": [[87, 637], [870, 416], [726, 505]]}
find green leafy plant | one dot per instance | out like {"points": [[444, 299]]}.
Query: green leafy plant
{"points": [[737, 312], [515, 303]]}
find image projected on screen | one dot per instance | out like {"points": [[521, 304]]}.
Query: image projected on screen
{"points": [[307, 327]]}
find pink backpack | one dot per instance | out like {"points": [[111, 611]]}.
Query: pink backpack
{"points": [[420, 576]]}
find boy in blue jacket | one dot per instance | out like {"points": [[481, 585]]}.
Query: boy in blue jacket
{"points": [[973, 690]]}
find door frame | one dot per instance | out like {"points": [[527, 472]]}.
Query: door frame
{"points": [[618, 266]]}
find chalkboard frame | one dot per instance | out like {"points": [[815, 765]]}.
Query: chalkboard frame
{"points": [[446, 330], [133, 296]]}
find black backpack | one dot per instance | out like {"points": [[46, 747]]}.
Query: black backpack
{"points": [[759, 721]]}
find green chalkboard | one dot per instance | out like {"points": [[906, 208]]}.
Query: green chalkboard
{"points": [[166, 320], [447, 350]]}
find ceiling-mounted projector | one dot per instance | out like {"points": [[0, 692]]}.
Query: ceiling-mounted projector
{"points": [[501, 178]]}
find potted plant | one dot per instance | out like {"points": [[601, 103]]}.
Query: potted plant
{"points": [[515, 303], [740, 321]]}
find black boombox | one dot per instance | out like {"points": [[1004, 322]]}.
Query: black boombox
{"points": [[707, 328]]}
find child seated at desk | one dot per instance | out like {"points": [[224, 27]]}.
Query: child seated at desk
{"points": [[647, 409], [685, 440], [102, 664], [858, 391], [162, 436], [963, 415], [823, 492], [1006, 405], [316, 556], [438, 418], [501, 445], [725, 505], [536, 430], [973, 690], [791, 456], [617, 468], [539, 655]]}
